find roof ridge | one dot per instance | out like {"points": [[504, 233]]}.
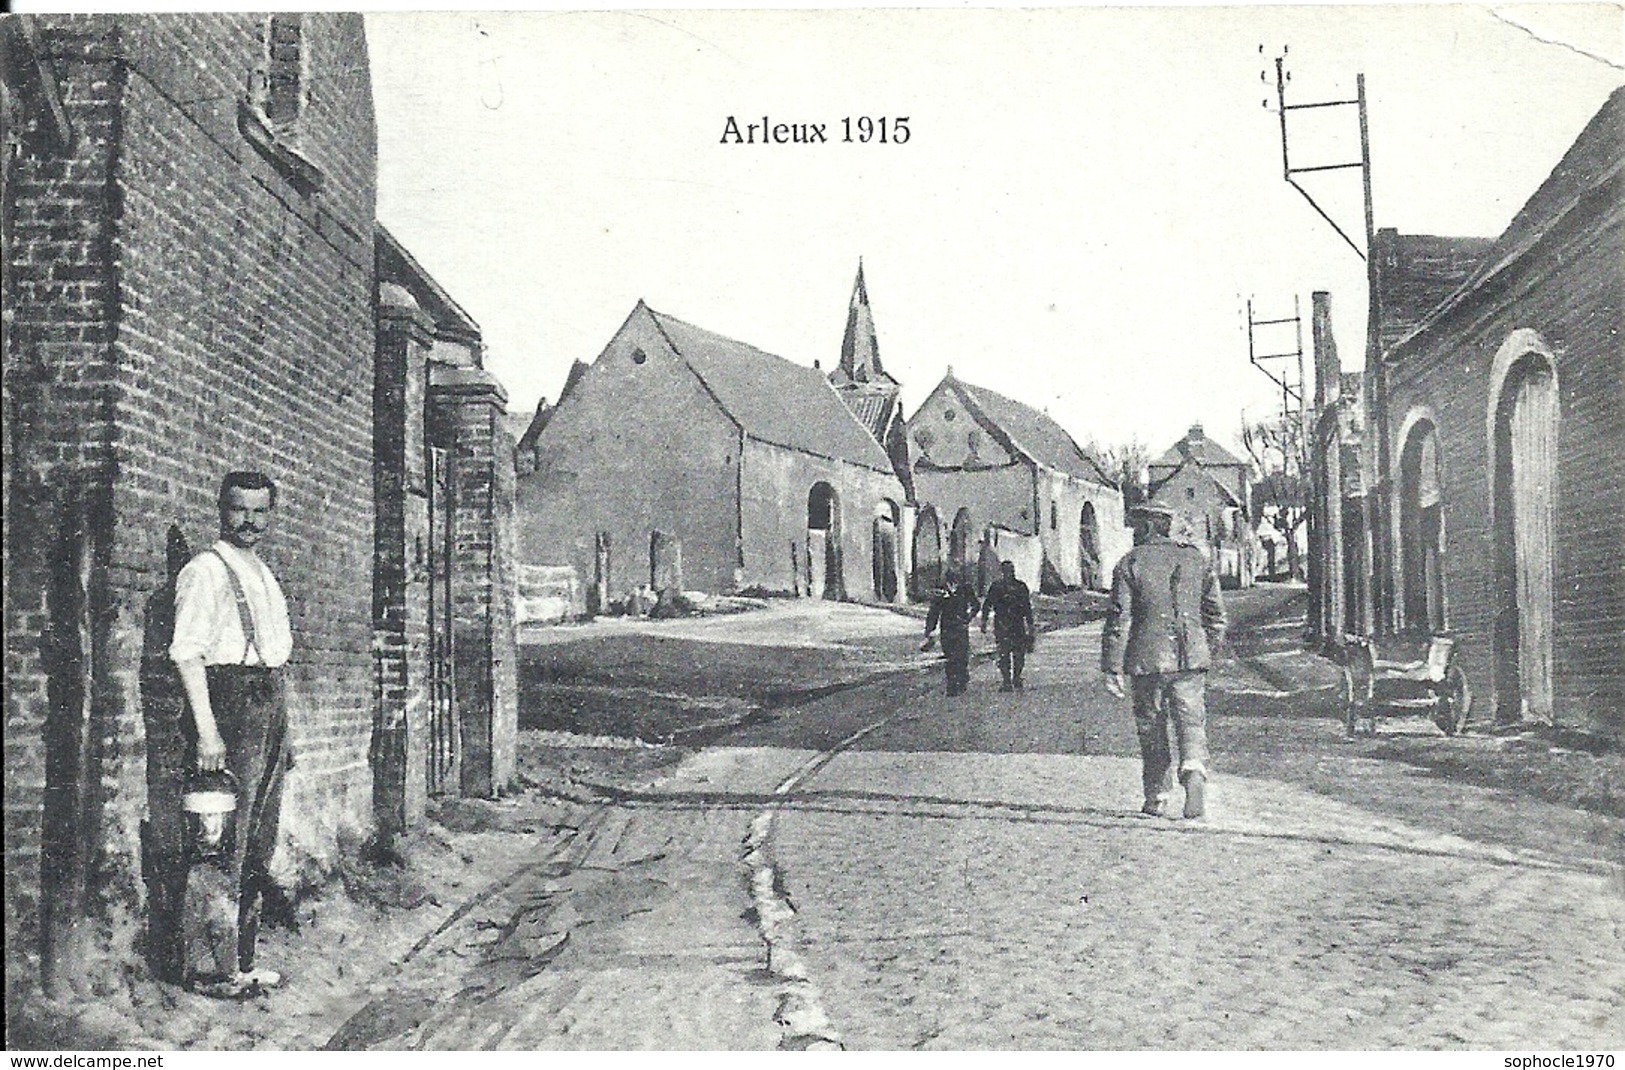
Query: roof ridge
{"points": [[1035, 412], [753, 427]]}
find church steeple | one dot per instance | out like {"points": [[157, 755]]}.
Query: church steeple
{"points": [[860, 352]]}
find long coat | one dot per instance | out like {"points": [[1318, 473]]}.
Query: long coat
{"points": [[1165, 613]]}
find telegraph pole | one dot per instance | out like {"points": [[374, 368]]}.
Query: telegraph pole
{"points": [[1290, 392], [1376, 502]]}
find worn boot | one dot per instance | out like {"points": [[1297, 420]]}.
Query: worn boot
{"points": [[1195, 793]]}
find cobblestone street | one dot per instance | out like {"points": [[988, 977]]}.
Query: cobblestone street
{"points": [[883, 867], [1007, 895], [973, 873]]}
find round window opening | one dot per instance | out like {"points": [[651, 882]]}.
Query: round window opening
{"points": [[639, 356], [948, 414]]}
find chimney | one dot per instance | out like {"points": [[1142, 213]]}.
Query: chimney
{"points": [[1328, 369], [1196, 434]]}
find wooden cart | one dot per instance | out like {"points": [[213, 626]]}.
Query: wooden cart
{"points": [[1434, 686]]}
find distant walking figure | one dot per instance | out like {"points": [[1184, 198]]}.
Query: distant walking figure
{"points": [[953, 608], [1012, 607], [231, 637], [1164, 618]]}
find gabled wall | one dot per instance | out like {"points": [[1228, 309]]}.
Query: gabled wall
{"points": [[631, 449]]}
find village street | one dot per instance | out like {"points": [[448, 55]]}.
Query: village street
{"points": [[973, 873]]}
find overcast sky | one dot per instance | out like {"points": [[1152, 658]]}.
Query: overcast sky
{"points": [[1085, 200]]}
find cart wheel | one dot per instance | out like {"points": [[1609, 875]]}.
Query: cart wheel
{"points": [[1351, 704], [1455, 702]]}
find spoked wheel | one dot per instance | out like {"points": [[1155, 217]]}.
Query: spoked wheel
{"points": [[1454, 703]]}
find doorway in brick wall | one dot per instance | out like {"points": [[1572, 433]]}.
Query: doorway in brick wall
{"points": [[1525, 472], [443, 749]]}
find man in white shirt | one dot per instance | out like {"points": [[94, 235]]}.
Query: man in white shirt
{"points": [[231, 635]]}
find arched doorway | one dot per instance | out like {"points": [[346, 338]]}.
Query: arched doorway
{"points": [[885, 551], [927, 574], [1089, 548], [1525, 472], [1421, 530], [824, 542], [959, 544]]}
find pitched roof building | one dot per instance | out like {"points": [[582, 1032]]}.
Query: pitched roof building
{"points": [[1210, 489], [1502, 412], [984, 461], [682, 457]]}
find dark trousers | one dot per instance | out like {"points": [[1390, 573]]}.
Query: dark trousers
{"points": [[956, 658], [1012, 658], [1179, 697], [251, 713]]}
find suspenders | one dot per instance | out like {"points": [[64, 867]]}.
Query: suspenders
{"points": [[246, 617]]}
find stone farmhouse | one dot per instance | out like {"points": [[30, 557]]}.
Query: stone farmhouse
{"points": [[195, 282], [682, 459], [998, 480]]}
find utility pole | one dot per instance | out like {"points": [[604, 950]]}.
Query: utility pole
{"points": [[1290, 392], [1377, 390]]}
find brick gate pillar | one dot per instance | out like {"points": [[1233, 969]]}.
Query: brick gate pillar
{"points": [[471, 402], [400, 591]]}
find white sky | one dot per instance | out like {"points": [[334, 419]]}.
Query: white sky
{"points": [[1086, 199]]}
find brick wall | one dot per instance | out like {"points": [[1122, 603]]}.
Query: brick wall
{"points": [[472, 403], [182, 307], [60, 297], [401, 569], [1569, 292]]}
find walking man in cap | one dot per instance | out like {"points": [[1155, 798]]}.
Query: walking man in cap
{"points": [[1163, 621], [1011, 604], [231, 635], [953, 608]]}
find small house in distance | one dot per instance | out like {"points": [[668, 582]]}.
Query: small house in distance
{"points": [[999, 480], [1210, 491], [682, 459]]}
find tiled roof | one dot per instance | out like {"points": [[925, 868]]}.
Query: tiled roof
{"points": [[395, 263], [873, 408], [1590, 178], [1418, 272], [773, 399], [1197, 446], [1031, 431], [1157, 484]]}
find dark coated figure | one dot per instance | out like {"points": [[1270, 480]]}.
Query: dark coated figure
{"points": [[952, 609], [1011, 604]]}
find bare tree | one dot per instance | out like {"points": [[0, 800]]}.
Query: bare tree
{"points": [[1276, 447], [1125, 464]]}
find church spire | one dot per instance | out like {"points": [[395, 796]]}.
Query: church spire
{"points": [[860, 352]]}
